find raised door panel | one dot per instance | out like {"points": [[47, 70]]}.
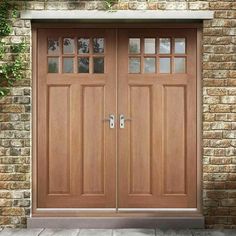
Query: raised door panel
{"points": [[93, 140], [140, 146], [174, 140], [59, 140]]}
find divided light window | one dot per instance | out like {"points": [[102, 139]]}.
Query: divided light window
{"points": [[76, 55], [157, 55]]}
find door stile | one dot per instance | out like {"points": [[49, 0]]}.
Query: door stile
{"points": [[117, 121]]}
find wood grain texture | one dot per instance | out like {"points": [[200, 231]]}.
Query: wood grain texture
{"points": [[59, 139], [174, 140], [93, 140], [140, 146]]}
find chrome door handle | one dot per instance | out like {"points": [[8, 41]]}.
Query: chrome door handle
{"points": [[122, 121], [111, 120]]}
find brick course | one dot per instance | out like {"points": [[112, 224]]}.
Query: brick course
{"points": [[219, 112]]}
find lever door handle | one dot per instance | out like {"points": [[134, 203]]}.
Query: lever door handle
{"points": [[111, 120], [122, 121]]}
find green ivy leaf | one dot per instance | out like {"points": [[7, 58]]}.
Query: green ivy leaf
{"points": [[109, 4], [9, 71]]}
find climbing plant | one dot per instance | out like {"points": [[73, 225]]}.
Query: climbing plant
{"points": [[109, 4], [10, 71]]}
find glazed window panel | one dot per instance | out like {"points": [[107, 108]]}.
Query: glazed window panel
{"points": [[179, 65], [53, 46], [134, 65], [164, 46], [68, 65], [149, 65], [98, 65], [165, 65], [68, 45], [83, 45], [53, 65], [149, 45], [180, 46], [98, 45], [83, 65], [134, 45]]}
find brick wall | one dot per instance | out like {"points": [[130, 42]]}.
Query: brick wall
{"points": [[219, 112]]}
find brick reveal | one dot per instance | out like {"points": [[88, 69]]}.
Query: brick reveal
{"points": [[219, 112]]}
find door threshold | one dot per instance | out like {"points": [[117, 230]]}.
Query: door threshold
{"points": [[193, 222]]}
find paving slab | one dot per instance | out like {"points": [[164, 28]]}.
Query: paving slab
{"points": [[60, 232], [134, 232], [20, 232], [210, 232], [172, 232], [115, 232], [95, 232]]}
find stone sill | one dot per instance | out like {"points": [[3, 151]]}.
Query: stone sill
{"points": [[196, 222]]}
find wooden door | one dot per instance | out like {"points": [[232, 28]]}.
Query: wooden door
{"points": [[152, 87], [157, 95], [76, 153]]}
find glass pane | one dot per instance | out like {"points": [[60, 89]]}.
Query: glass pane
{"points": [[180, 45], [149, 65], [53, 46], [83, 65], [98, 65], [134, 65], [68, 65], [164, 44], [83, 45], [53, 65], [179, 64], [164, 65], [134, 45], [98, 45], [68, 45], [150, 46]]}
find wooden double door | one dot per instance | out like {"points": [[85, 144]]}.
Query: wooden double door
{"points": [[116, 118]]}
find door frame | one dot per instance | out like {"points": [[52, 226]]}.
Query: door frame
{"points": [[74, 212]]}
